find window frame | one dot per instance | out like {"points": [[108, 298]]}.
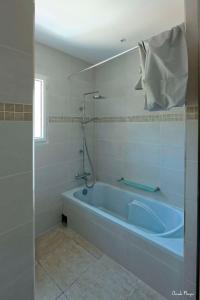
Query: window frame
{"points": [[42, 139]]}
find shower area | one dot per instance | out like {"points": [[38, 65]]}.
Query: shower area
{"points": [[109, 183], [134, 159]]}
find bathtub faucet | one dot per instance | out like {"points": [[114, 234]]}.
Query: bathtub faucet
{"points": [[84, 176]]}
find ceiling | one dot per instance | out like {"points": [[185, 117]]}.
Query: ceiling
{"points": [[92, 29]]}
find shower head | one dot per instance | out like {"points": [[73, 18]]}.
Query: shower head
{"points": [[98, 97], [91, 93]]}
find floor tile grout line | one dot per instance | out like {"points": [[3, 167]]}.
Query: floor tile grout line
{"points": [[62, 294], [83, 246], [77, 279], [97, 258], [52, 279], [90, 264], [131, 292], [59, 295], [79, 245], [96, 262]]}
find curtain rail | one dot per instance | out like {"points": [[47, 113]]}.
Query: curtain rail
{"points": [[104, 61]]}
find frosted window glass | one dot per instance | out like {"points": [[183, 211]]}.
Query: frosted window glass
{"points": [[38, 110]]}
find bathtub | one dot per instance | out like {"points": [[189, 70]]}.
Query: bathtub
{"points": [[130, 228]]}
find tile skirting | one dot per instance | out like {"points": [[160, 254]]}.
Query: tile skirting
{"points": [[15, 112]]}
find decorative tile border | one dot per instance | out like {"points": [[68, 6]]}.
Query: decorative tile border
{"points": [[192, 113], [137, 118], [23, 112], [64, 119], [15, 112], [143, 118]]}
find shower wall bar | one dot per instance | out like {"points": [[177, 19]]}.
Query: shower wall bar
{"points": [[104, 61], [139, 186]]}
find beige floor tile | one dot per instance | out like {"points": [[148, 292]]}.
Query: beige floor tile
{"points": [[147, 290], [139, 295], [67, 263], [62, 297], [104, 280], [49, 242], [45, 289], [145, 294], [83, 271], [70, 234]]}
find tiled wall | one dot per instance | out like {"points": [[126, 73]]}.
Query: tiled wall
{"points": [[146, 147], [16, 192], [58, 160], [191, 204], [191, 186], [15, 112]]}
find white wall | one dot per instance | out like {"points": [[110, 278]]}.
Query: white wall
{"points": [[145, 151], [16, 194], [58, 160]]}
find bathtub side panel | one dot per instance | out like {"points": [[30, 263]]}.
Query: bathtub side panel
{"points": [[142, 258]]}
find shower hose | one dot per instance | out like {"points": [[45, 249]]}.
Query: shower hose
{"points": [[89, 160]]}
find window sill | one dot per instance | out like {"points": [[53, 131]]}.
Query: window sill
{"points": [[40, 141]]}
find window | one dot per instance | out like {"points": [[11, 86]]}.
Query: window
{"points": [[39, 111]]}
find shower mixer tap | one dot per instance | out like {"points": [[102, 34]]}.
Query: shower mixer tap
{"points": [[84, 176], [86, 119]]}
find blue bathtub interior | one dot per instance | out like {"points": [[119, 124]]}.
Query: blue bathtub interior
{"points": [[149, 219], [147, 215]]}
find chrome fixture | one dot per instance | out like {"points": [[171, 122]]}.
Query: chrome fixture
{"points": [[84, 151], [84, 176], [98, 97], [88, 121], [104, 61], [123, 40], [90, 93]]}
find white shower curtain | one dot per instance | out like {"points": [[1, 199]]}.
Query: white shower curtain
{"points": [[164, 69]]}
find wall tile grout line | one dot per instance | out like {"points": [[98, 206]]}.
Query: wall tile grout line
{"points": [[16, 227], [16, 50], [15, 174], [15, 112]]}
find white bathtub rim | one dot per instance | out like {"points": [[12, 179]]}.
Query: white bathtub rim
{"points": [[76, 189], [179, 211]]}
